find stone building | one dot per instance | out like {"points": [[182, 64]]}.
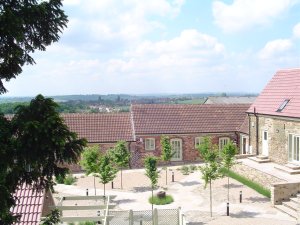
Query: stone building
{"points": [[274, 119]]}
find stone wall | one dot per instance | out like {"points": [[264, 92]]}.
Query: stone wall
{"points": [[278, 130], [189, 152], [264, 179], [284, 191]]}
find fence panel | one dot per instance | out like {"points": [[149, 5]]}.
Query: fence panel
{"points": [[168, 216]]}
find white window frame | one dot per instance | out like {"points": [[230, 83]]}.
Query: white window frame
{"points": [[181, 149], [222, 141], [198, 141], [293, 143], [149, 144]]}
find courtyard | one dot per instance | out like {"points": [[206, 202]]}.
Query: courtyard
{"points": [[189, 194]]}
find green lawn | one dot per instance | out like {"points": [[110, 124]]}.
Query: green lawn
{"points": [[255, 186]]}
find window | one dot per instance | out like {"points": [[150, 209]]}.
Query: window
{"points": [[283, 105], [176, 145], [294, 148], [198, 141], [150, 144], [222, 142]]}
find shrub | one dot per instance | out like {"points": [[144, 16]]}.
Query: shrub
{"points": [[69, 179], [59, 179], [193, 168], [185, 170], [87, 223], [161, 201]]}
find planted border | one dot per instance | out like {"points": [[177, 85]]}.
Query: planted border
{"points": [[251, 184]]}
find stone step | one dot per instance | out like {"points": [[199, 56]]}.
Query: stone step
{"points": [[293, 166], [287, 169], [262, 157], [287, 210], [292, 205], [258, 160], [296, 200]]}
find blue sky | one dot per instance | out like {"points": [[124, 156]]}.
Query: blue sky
{"points": [[166, 46]]}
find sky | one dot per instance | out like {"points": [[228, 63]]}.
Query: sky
{"points": [[165, 46]]}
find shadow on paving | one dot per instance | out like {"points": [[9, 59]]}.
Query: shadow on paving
{"points": [[141, 189], [258, 199], [233, 185], [189, 183], [122, 201], [244, 214]]}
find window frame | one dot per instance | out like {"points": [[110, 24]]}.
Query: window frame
{"points": [[200, 138], [149, 140], [223, 139]]}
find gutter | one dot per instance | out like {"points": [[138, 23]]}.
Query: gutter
{"points": [[257, 147]]}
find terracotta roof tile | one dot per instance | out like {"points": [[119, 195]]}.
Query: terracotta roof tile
{"points": [[285, 84], [98, 127], [29, 205], [175, 119]]}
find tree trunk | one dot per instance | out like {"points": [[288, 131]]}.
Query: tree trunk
{"points": [[152, 207], [210, 196], [104, 190], [95, 184], [121, 179], [166, 175]]}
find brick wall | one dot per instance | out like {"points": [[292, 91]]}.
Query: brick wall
{"points": [[189, 152], [278, 130]]}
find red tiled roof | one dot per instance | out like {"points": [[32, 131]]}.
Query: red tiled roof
{"points": [[284, 85], [98, 127], [180, 119], [29, 205]]}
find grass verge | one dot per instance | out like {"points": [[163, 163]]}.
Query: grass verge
{"points": [[161, 201], [251, 184]]}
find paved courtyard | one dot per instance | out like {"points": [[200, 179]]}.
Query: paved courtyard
{"points": [[189, 194]]}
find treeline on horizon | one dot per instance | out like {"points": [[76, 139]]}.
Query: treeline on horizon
{"points": [[112, 102]]}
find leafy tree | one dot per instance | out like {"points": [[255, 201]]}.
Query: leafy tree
{"points": [[151, 172], [166, 152], [121, 157], [211, 168], [35, 145], [90, 161], [107, 172], [26, 26], [228, 152]]}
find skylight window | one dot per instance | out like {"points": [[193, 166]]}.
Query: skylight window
{"points": [[283, 105]]}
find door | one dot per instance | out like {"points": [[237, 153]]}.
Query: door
{"points": [[176, 145], [244, 144], [265, 149]]}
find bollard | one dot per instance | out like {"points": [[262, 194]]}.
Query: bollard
{"points": [[98, 214], [227, 208], [112, 185], [87, 192], [240, 196], [172, 176]]}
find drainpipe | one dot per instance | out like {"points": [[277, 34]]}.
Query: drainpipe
{"points": [[257, 147]]}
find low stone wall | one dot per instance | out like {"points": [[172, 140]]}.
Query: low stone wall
{"points": [[266, 180], [284, 191]]}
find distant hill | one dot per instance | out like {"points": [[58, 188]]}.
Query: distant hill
{"points": [[114, 97]]}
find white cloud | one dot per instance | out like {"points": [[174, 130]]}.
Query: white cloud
{"points": [[296, 30], [242, 14], [275, 48], [71, 2]]}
